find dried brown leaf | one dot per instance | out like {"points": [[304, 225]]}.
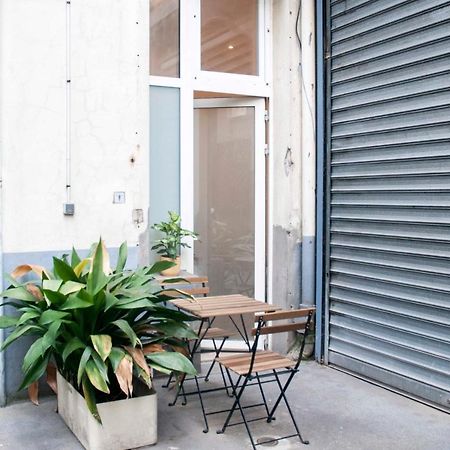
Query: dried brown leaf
{"points": [[23, 269], [183, 350], [33, 392], [51, 378], [139, 358], [124, 375], [34, 291], [152, 348]]}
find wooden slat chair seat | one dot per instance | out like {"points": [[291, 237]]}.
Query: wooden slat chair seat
{"points": [[264, 360], [256, 364], [217, 333]]}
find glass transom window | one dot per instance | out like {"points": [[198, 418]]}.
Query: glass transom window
{"points": [[229, 36]]}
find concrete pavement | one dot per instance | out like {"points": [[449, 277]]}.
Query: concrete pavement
{"points": [[335, 412]]}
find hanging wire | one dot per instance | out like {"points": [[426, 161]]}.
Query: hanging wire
{"points": [[299, 40]]}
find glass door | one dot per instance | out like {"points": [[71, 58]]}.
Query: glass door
{"points": [[229, 195]]}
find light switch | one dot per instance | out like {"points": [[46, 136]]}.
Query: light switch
{"points": [[119, 197]]}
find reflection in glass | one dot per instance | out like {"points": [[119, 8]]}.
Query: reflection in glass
{"points": [[230, 36], [224, 201], [165, 38]]}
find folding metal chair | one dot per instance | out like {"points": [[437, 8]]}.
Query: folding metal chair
{"points": [[198, 286], [261, 367]]}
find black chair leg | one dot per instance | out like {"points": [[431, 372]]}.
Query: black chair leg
{"points": [[206, 429], [283, 396], [263, 396], [237, 403]]}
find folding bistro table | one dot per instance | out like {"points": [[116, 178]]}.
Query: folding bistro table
{"points": [[207, 309]]}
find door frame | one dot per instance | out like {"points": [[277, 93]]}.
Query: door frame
{"points": [[187, 201]]}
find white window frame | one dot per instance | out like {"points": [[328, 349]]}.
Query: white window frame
{"points": [[259, 183], [193, 79]]}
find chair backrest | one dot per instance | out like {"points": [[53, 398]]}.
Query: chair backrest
{"points": [[192, 285], [265, 326]]}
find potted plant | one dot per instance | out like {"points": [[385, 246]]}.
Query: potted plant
{"points": [[169, 246], [105, 330]]}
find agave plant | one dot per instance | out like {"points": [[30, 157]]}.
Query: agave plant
{"points": [[102, 328]]}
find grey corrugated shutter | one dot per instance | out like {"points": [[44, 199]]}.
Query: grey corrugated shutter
{"points": [[389, 224]]}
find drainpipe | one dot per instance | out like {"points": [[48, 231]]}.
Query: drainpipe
{"points": [[308, 148], [2, 308], [320, 146]]}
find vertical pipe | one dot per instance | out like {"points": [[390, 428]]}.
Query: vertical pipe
{"points": [[68, 104], [308, 186], [320, 148], [2, 308]]}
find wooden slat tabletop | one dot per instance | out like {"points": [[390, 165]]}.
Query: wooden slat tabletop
{"points": [[222, 305]]}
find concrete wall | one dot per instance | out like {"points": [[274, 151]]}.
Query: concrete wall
{"points": [[99, 120], [287, 245]]}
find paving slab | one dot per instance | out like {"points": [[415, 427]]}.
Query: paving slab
{"points": [[335, 411]]}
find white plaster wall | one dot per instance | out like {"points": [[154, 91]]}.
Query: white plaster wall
{"points": [[109, 122], [286, 117]]}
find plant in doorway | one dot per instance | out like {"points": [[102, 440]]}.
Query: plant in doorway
{"points": [[104, 330], [169, 246]]}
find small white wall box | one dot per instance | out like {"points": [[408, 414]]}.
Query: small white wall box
{"points": [[119, 197], [69, 209]]}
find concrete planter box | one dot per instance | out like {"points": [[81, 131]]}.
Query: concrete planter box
{"points": [[127, 423]]}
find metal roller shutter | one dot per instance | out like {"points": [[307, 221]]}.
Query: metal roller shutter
{"points": [[389, 193]]}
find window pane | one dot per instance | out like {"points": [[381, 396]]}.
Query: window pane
{"points": [[164, 154], [165, 38], [224, 199], [230, 36]]}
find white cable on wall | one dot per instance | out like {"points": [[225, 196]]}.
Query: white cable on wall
{"points": [[68, 104]]}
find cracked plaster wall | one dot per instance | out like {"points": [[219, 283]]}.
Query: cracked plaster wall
{"points": [[109, 122]]}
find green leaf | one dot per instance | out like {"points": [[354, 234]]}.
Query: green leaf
{"points": [[40, 346], [52, 285], [95, 377], [97, 279], [8, 279], [18, 332], [83, 360], [19, 293], [8, 321], [74, 258], [126, 328], [35, 352], [63, 270], [173, 360], [102, 344], [75, 302], [159, 368], [160, 266], [136, 304], [110, 301], [35, 371], [175, 329], [116, 355], [89, 396], [27, 316], [52, 315], [70, 287], [73, 345], [122, 258], [54, 298]]}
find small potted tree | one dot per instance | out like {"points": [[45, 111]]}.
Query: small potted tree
{"points": [[105, 330], [169, 246]]}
